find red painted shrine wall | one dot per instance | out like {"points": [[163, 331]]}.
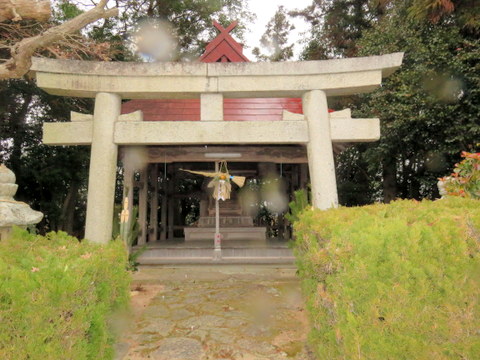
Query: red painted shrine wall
{"points": [[233, 109]]}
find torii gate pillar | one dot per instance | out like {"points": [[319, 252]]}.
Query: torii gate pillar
{"points": [[103, 166], [319, 150]]}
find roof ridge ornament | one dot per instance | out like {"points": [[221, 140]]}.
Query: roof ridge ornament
{"points": [[224, 48]]}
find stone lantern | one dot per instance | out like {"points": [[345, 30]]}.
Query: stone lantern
{"points": [[13, 212]]}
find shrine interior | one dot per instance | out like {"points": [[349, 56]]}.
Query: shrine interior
{"points": [[176, 207]]}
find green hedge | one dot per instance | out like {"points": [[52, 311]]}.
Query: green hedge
{"points": [[57, 296], [398, 281]]}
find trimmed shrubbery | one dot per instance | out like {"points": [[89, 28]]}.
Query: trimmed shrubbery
{"points": [[398, 281], [57, 296]]}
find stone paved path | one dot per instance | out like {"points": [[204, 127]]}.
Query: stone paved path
{"points": [[222, 312]]}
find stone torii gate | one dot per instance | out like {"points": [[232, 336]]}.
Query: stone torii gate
{"points": [[106, 129]]}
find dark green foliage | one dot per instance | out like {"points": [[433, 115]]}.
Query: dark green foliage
{"points": [[398, 281], [130, 236], [51, 179], [428, 108], [358, 183], [134, 229], [66, 10], [133, 256], [336, 26], [298, 205], [58, 297]]}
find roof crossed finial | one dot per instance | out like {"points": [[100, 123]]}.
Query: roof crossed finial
{"points": [[229, 28], [224, 48]]}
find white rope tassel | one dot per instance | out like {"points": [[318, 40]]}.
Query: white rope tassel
{"points": [[221, 194]]}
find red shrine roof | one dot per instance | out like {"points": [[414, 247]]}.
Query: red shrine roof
{"points": [[223, 48]]}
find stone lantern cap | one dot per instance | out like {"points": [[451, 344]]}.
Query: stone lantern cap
{"points": [[14, 212]]}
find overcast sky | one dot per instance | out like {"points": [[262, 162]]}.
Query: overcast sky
{"points": [[264, 10]]}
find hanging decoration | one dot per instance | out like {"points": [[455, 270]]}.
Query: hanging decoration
{"points": [[221, 182]]}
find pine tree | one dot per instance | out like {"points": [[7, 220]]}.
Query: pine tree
{"points": [[275, 38]]}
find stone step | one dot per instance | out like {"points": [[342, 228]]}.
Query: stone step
{"points": [[193, 234], [226, 221], [226, 252], [210, 260], [226, 212], [237, 255]]}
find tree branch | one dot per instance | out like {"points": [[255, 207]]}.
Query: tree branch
{"points": [[21, 54], [16, 10]]}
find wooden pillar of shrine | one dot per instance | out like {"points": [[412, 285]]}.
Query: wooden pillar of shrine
{"points": [[153, 229], [128, 190], [282, 187], [163, 208], [142, 206], [170, 202], [303, 176], [292, 185]]}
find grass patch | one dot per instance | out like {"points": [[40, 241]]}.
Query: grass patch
{"points": [[398, 281], [58, 295]]}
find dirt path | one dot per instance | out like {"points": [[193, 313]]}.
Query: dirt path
{"points": [[226, 312]]}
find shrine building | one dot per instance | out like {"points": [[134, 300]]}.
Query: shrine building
{"points": [[263, 118]]}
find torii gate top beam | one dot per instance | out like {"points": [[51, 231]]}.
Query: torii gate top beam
{"points": [[188, 80]]}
